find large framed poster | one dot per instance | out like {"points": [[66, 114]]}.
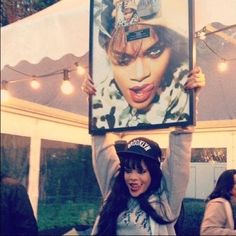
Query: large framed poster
{"points": [[141, 52]]}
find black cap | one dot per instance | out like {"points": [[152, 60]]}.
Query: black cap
{"points": [[141, 147]]}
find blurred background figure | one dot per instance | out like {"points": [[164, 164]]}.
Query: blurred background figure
{"points": [[17, 217], [220, 212]]}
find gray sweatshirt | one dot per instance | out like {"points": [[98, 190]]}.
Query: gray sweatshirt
{"points": [[175, 168]]}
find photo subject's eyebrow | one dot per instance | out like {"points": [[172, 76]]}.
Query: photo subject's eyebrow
{"points": [[120, 54], [158, 44]]}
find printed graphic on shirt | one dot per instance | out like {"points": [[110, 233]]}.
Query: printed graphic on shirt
{"points": [[135, 218]]}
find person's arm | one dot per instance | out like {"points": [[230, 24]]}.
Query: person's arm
{"points": [[105, 160], [106, 163], [215, 220], [176, 167]]}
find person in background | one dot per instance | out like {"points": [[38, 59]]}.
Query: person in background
{"points": [[17, 217], [142, 196], [220, 213]]}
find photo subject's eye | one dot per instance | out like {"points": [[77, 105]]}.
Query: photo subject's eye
{"points": [[155, 51], [123, 59]]}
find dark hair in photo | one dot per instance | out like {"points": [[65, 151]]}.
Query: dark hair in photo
{"points": [[117, 201], [224, 185]]}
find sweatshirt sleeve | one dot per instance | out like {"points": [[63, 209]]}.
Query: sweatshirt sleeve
{"points": [[106, 163], [215, 220], [176, 167]]}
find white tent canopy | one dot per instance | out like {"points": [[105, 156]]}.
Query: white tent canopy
{"points": [[54, 32], [63, 29], [58, 36]]}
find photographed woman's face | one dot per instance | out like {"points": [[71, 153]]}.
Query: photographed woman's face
{"points": [[128, 14], [138, 73], [136, 180]]}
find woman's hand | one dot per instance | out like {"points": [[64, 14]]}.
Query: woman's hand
{"points": [[88, 86], [196, 80]]}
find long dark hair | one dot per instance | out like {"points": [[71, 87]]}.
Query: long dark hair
{"points": [[118, 199], [223, 186]]}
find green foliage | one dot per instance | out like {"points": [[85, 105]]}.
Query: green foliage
{"points": [[53, 216], [69, 193], [41, 4], [14, 10], [67, 173], [193, 215], [15, 157]]}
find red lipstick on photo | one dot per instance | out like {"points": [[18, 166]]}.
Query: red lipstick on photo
{"points": [[140, 94]]}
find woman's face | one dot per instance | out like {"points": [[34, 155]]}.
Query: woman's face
{"points": [[128, 14], [234, 187], [137, 181], [138, 73]]}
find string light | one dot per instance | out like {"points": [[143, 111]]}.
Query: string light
{"points": [[66, 86], [204, 30], [5, 95], [34, 83], [202, 34], [222, 66], [80, 69]]}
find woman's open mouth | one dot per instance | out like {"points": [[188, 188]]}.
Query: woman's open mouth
{"points": [[134, 187], [140, 94]]}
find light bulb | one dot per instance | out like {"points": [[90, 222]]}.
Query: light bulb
{"points": [[202, 35], [222, 66], [35, 84], [5, 95], [66, 87], [80, 70]]}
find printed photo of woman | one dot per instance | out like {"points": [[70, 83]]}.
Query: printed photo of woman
{"points": [[140, 59]]}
